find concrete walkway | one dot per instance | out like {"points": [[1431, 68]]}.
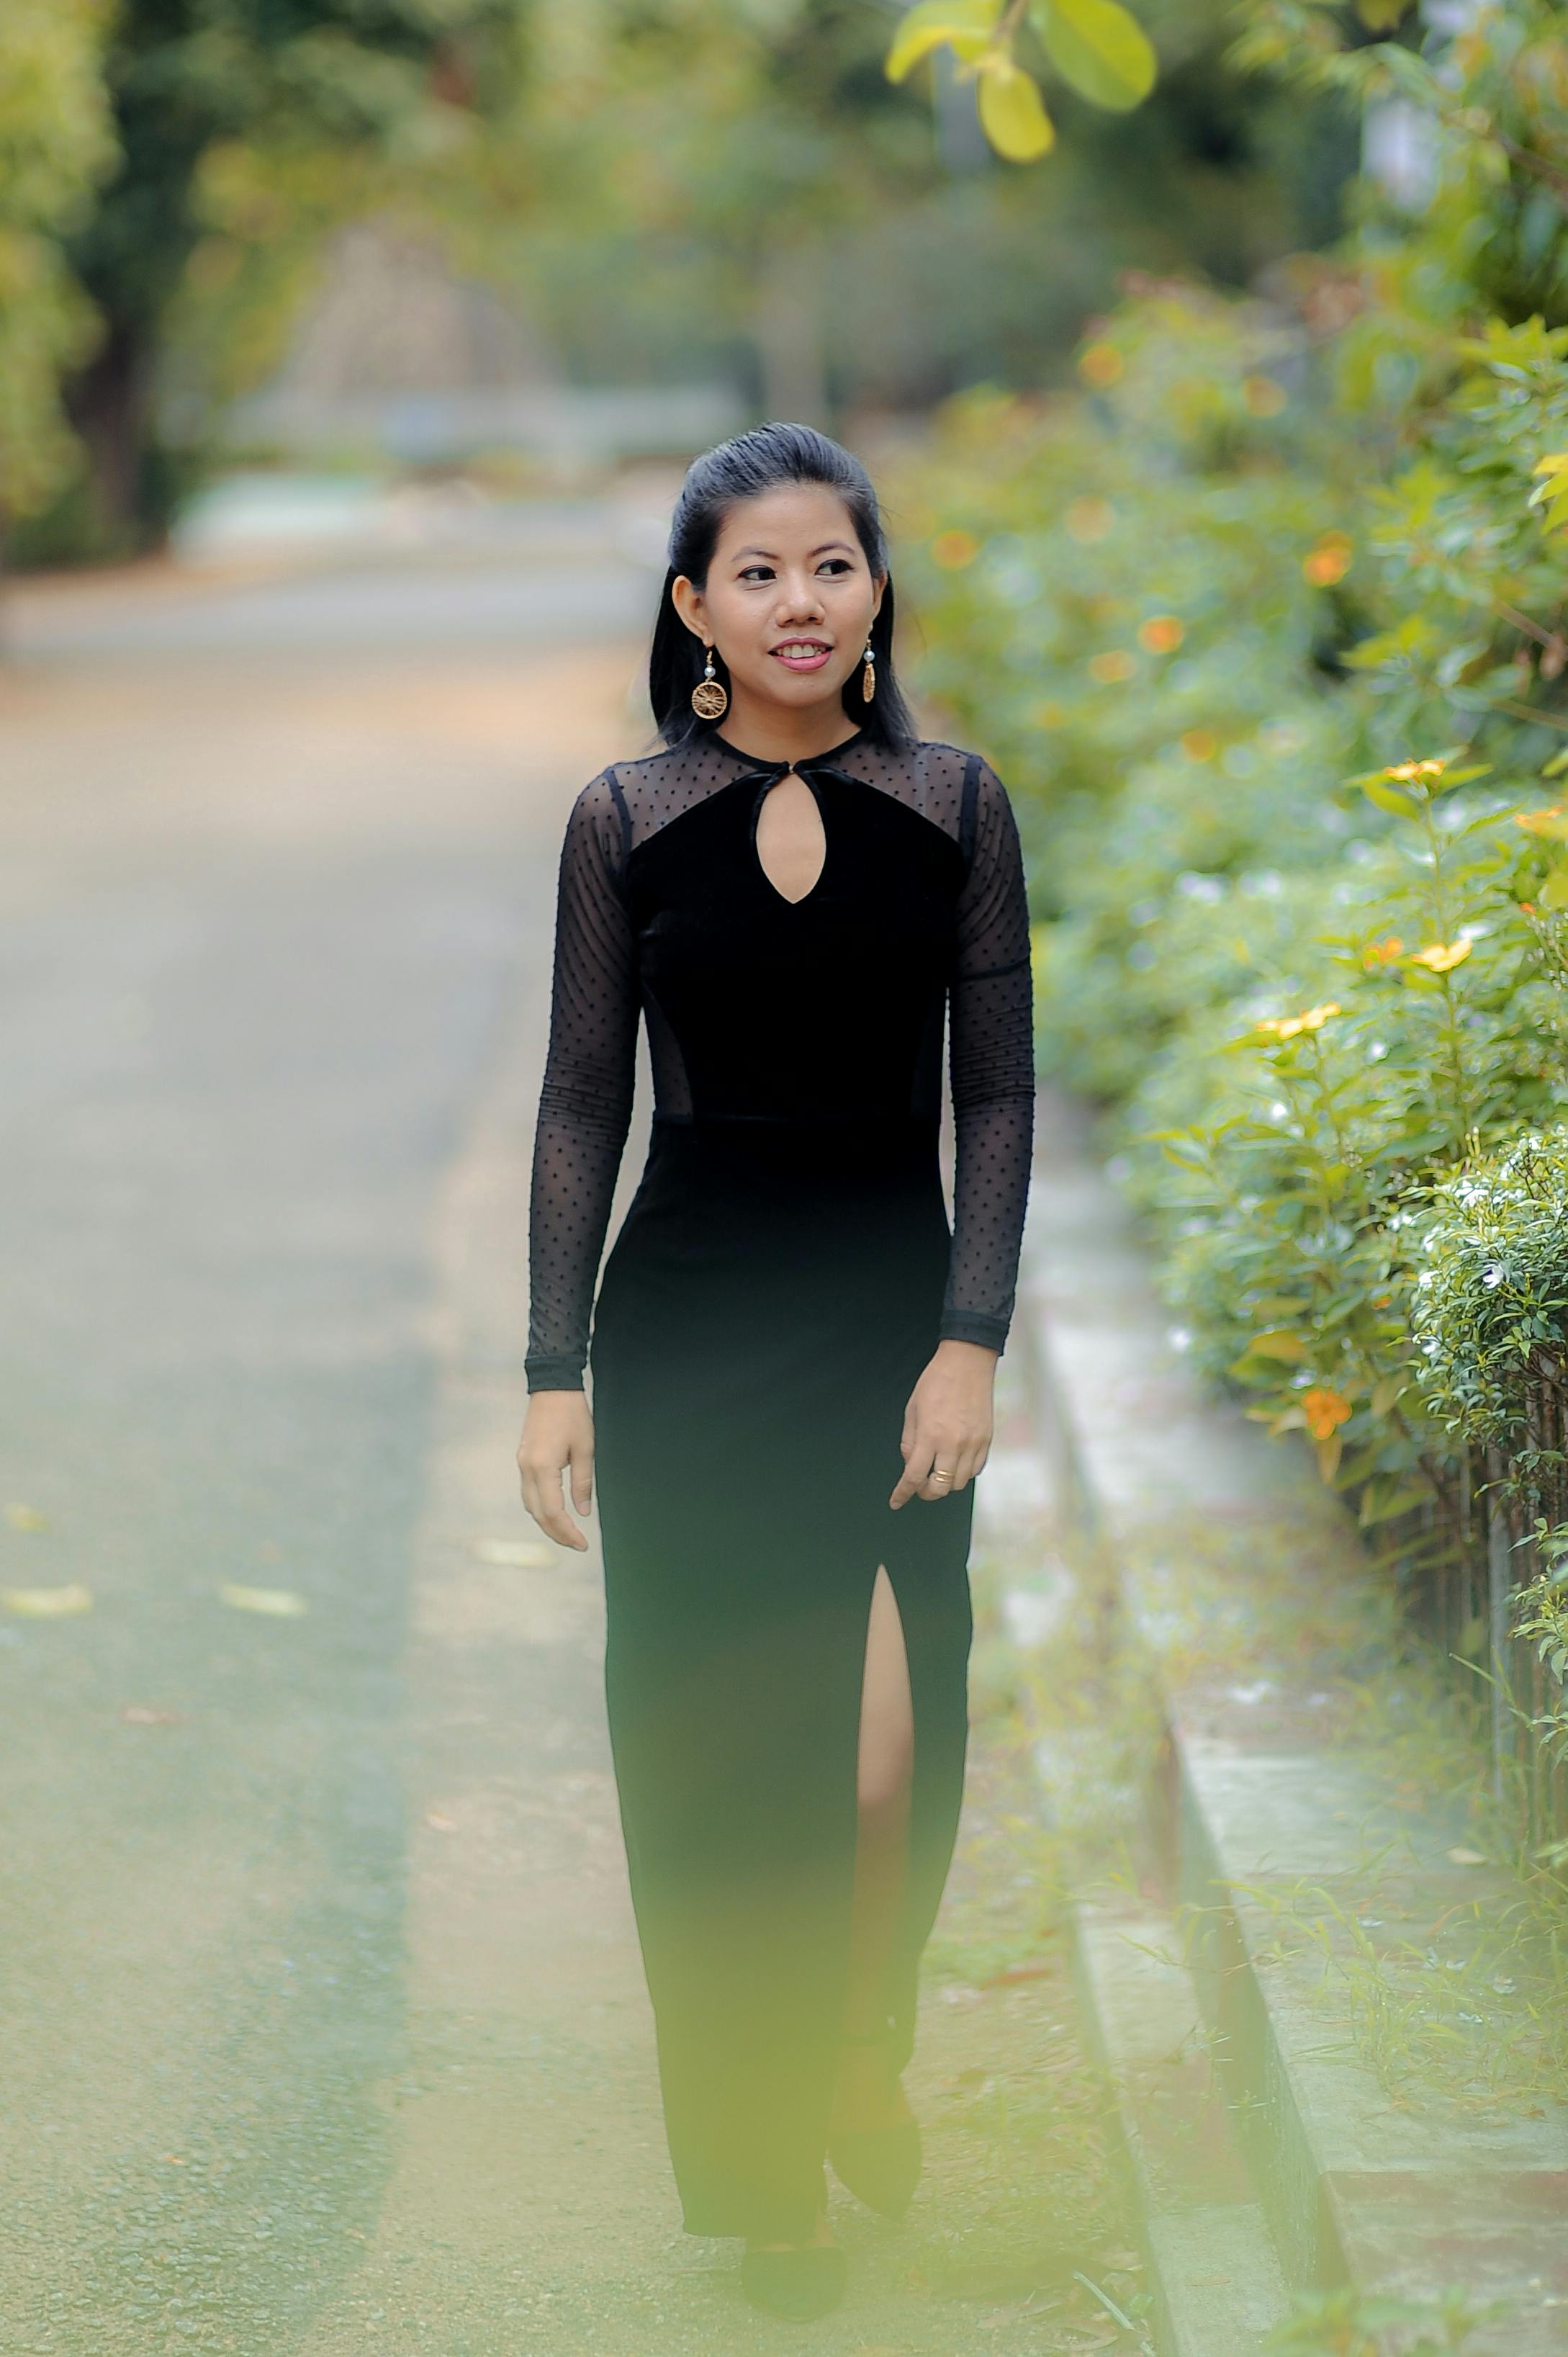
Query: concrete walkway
{"points": [[322, 2028]]}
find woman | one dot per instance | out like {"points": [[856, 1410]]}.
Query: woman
{"points": [[792, 1358]]}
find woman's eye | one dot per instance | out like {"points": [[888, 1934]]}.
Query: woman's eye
{"points": [[835, 565]]}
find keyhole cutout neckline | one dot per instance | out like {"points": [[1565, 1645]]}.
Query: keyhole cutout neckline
{"points": [[803, 761], [767, 790]]}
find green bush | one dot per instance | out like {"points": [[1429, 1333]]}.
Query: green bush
{"points": [[1266, 626]]}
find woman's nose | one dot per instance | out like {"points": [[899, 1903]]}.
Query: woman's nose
{"points": [[799, 600]]}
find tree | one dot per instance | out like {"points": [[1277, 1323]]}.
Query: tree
{"points": [[54, 139], [183, 76]]}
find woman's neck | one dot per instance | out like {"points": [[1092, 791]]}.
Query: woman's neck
{"points": [[778, 732]]}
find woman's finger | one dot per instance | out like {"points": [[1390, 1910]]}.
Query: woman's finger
{"points": [[948, 1461], [582, 1470], [548, 1508], [917, 1465]]}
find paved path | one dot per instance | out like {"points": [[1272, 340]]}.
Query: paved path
{"points": [[322, 2029]]}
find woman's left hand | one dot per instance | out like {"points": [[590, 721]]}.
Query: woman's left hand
{"points": [[947, 1424]]}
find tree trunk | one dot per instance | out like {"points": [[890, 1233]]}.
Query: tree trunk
{"points": [[110, 404]]}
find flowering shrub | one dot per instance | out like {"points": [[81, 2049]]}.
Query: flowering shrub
{"points": [[1267, 625], [1490, 1302]]}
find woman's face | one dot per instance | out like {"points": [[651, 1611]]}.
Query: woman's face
{"points": [[789, 598]]}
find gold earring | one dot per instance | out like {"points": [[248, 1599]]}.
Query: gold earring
{"points": [[868, 676], [710, 697]]}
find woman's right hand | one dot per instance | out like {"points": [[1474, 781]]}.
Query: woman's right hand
{"points": [[557, 1436]]}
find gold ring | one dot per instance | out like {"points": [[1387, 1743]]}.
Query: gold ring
{"points": [[941, 1477]]}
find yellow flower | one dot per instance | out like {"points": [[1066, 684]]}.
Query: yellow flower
{"points": [[1377, 953], [1112, 667], [1325, 1411], [1552, 823], [1099, 364], [1286, 1026], [1162, 634], [953, 550], [1414, 773], [1199, 744], [1440, 957]]}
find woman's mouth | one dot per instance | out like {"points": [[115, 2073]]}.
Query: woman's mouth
{"points": [[801, 654]]}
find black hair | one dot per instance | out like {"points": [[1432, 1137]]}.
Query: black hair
{"points": [[760, 461]]}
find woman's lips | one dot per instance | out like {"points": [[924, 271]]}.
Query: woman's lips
{"points": [[801, 655]]}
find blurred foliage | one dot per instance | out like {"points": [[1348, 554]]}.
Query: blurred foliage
{"points": [[1266, 624], [670, 189], [326, 82], [1098, 48], [55, 143]]}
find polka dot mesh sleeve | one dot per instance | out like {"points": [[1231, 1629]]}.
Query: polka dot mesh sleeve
{"points": [[991, 1070], [584, 1103]]}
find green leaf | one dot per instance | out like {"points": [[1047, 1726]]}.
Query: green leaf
{"points": [[964, 26], [1391, 798], [1553, 893], [1012, 111], [1098, 48], [1279, 1343]]}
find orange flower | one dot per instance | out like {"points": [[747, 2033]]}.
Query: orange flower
{"points": [[1552, 823], [1162, 634], [1286, 1026], [1199, 744], [953, 550], [1325, 1411], [1377, 953], [1440, 957], [1330, 560], [1112, 667], [1099, 364]]}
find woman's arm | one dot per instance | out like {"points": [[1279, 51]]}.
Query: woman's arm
{"points": [[946, 1427], [585, 1109]]}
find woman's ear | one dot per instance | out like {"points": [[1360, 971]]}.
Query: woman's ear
{"points": [[687, 600], [881, 579]]}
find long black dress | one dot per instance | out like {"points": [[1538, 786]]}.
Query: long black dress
{"points": [[782, 1277]]}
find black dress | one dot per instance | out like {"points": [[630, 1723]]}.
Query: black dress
{"points": [[782, 1277]]}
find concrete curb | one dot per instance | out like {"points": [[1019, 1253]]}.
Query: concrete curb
{"points": [[1396, 2190]]}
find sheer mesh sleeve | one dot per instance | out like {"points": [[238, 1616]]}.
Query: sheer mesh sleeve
{"points": [[992, 1067], [584, 1103]]}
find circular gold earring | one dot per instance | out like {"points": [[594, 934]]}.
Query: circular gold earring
{"points": [[710, 697], [868, 676]]}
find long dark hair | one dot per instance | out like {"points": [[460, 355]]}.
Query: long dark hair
{"points": [[755, 462]]}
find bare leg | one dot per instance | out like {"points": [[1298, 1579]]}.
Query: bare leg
{"points": [[865, 2096]]}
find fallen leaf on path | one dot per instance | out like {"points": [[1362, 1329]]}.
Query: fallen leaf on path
{"points": [[47, 1603], [27, 1518], [1465, 1858], [520, 1555], [139, 1715], [282, 1602], [1016, 1972], [441, 1824]]}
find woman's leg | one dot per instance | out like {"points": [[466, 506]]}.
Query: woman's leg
{"points": [[865, 2097]]}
